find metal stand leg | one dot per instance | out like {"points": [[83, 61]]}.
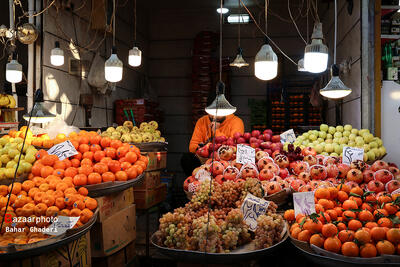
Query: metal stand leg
{"points": [[147, 234]]}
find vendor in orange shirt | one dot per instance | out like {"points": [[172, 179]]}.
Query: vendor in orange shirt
{"points": [[204, 131]]}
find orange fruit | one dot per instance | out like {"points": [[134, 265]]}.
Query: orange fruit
{"points": [[391, 208], [59, 172], [86, 161], [341, 226], [289, 215], [304, 235], [94, 148], [313, 227], [115, 144], [61, 186], [67, 163], [99, 155], [52, 211], [94, 178], [332, 244], [79, 204], [145, 159], [78, 156], [332, 214], [70, 172], [75, 212], [295, 232], [365, 216], [329, 230], [322, 193], [88, 155], [378, 213], [41, 153], [48, 200], [125, 165], [122, 151], [385, 222], [357, 190], [95, 139], [138, 168], [362, 236], [90, 203], [64, 212], [60, 203], [83, 148], [105, 142], [333, 192], [354, 225], [131, 157], [4, 190], [344, 187], [33, 191], [83, 191], [350, 249], [44, 187], [16, 189], [346, 236], [121, 176], [83, 139], [86, 214], [349, 215], [70, 190], [46, 171], [317, 240], [49, 160], [393, 235], [100, 168], [378, 233], [80, 179], [385, 247], [75, 163], [132, 174], [114, 166], [108, 177], [144, 166], [26, 186], [358, 200], [40, 209], [371, 225], [59, 165], [111, 152], [349, 204], [368, 250], [85, 169]]}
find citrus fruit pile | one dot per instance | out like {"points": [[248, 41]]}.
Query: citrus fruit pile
{"points": [[34, 202], [350, 221], [99, 159]]}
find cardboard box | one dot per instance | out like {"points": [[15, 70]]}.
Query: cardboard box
{"points": [[151, 180], [111, 204], [114, 233], [120, 258], [146, 198], [157, 160]]}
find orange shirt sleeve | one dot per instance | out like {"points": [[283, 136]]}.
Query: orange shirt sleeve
{"points": [[237, 126], [199, 133]]}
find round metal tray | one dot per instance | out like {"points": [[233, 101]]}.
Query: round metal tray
{"points": [[28, 250], [243, 253], [152, 146], [322, 257], [98, 190]]}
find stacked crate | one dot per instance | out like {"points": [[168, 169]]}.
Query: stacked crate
{"points": [[258, 114], [143, 110]]}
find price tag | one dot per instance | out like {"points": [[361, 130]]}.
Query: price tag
{"points": [[252, 208], [304, 203], [245, 154], [63, 150], [351, 154], [288, 136], [62, 224]]}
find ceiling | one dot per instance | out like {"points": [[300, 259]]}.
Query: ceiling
{"points": [[186, 4]]}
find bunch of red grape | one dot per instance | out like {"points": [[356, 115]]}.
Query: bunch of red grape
{"points": [[293, 153]]}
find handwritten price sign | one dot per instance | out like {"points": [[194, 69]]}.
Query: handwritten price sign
{"points": [[351, 154], [245, 154], [303, 203], [288, 136], [63, 150], [62, 225], [252, 208]]}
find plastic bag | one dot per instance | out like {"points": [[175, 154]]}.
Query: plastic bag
{"points": [[96, 74], [59, 126]]}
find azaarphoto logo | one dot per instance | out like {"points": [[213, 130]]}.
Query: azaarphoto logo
{"points": [[8, 218]]}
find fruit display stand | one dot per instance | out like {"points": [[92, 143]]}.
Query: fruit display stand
{"points": [[243, 253]]}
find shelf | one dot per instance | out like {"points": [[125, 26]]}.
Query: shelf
{"points": [[390, 36], [12, 109], [390, 7]]}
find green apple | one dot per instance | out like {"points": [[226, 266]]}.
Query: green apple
{"points": [[366, 148], [322, 134], [26, 166], [320, 140], [352, 137], [31, 159], [359, 139], [362, 131], [373, 144], [337, 135], [377, 152], [360, 143], [348, 127], [343, 140], [365, 157], [354, 131], [2, 173], [4, 140], [351, 143], [346, 133], [12, 153], [329, 136], [4, 158], [379, 141], [306, 135], [323, 127], [334, 154], [336, 140], [11, 164], [325, 153], [368, 137], [302, 146], [329, 148], [331, 130], [339, 128], [312, 137], [337, 149], [300, 138], [296, 143], [315, 142], [328, 141], [311, 145], [18, 140], [305, 143], [382, 150], [319, 148], [371, 155], [17, 157], [9, 172]]}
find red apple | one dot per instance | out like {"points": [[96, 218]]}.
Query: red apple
{"points": [[253, 140], [268, 131], [254, 145], [255, 133], [247, 136], [237, 135], [276, 138], [230, 141], [267, 137], [241, 140]]}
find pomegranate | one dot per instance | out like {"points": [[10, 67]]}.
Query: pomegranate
{"points": [[231, 173], [283, 173], [332, 180], [282, 161], [285, 184], [379, 165], [236, 164], [368, 176], [352, 184], [225, 152], [310, 159], [332, 171], [300, 166], [273, 187], [304, 176], [216, 168], [261, 163], [220, 179], [187, 181], [314, 184], [225, 163], [276, 179], [320, 159], [272, 167], [276, 152], [383, 176], [355, 175], [331, 160], [306, 188], [248, 173], [295, 184], [318, 172], [395, 171], [261, 154], [309, 151], [392, 186], [359, 164], [265, 175], [376, 186], [343, 170]]}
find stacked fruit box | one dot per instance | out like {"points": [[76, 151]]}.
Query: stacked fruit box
{"points": [[143, 110], [258, 115]]}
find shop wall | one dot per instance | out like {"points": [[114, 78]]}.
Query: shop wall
{"points": [[348, 47], [172, 36], [61, 89]]}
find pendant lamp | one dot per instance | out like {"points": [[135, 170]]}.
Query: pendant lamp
{"points": [[335, 88], [135, 55], [239, 60], [266, 63], [39, 113], [14, 70], [316, 53], [57, 55], [300, 65]]}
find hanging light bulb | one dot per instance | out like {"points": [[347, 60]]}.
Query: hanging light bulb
{"points": [[335, 88], [14, 70], [57, 55], [39, 114], [220, 106], [223, 10], [135, 57], [239, 60], [266, 63], [316, 53], [300, 65], [113, 67]]}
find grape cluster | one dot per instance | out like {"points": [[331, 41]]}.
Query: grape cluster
{"points": [[234, 231], [200, 197], [252, 186], [269, 229], [174, 228], [293, 153], [206, 233]]}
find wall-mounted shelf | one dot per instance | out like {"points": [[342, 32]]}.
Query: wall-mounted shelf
{"points": [[390, 36], [390, 7]]}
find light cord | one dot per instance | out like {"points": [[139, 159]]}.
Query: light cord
{"points": [[220, 43], [334, 48], [294, 22], [134, 14], [114, 22]]}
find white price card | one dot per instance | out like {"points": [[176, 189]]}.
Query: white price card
{"points": [[288, 136], [351, 154], [304, 203], [245, 154], [252, 208], [63, 150], [61, 224]]}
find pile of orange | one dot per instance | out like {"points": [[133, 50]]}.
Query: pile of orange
{"points": [[38, 199], [99, 159], [351, 222]]}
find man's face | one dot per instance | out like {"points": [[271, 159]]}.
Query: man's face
{"points": [[219, 119]]}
